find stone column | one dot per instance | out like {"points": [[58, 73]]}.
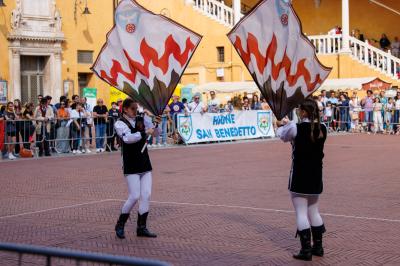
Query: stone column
{"points": [[15, 75], [58, 86], [345, 26], [236, 5]]}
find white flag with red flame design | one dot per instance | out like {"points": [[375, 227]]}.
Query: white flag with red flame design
{"points": [[145, 55], [281, 60]]}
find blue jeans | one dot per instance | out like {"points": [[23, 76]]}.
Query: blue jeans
{"points": [[396, 119], [100, 135], [164, 124], [369, 118]]}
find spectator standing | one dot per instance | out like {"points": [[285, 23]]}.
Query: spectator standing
{"points": [[389, 109], [264, 104], [255, 103], [344, 117], [11, 129], [113, 116], [368, 103], [164, 128], [246, 105], [395, 47], [396, 116], [87, 122], [63, 115], [43, 115], [176, 108], [76, 115], [100, 118], [19, 124], [378, 120], [196, 106], [384, 42], [354, 109], [53, 132], [28, 129], [62, 99], [324, 99], [328, 112], [213, 103], [229, 107]]}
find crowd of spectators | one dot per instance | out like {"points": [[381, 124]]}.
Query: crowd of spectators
{"points": [[73, 126], [373, 113], [68, 126]]}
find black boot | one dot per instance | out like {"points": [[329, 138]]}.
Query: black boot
{"points": [[141, 226], [305, 240], [317, 232], [119, 227]]}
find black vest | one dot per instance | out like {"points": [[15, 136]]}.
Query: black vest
{"points": [[134, 161], [306, 173]]}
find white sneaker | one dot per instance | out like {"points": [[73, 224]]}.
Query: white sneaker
{"points": [[83, 151], [11, 156], [78, 152], [98, 150], [101, 150], [88, 151], [74, 151], [149, 146], [159, 145]]}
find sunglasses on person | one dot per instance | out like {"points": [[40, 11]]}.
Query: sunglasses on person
{"points": [[196, 98]]}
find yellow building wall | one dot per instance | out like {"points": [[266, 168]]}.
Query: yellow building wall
{"points": [[88, 32], [204, 62], [5, 28], [372, 20]]}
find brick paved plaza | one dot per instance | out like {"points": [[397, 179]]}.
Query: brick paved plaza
{"points": [[221, 204]]}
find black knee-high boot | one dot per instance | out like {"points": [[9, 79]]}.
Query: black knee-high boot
{"points": [[317, 232], [120, 226], [305, 240], [141, 226]]}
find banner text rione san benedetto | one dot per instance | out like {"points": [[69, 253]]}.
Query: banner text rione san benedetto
{"points": [[196, 128]]}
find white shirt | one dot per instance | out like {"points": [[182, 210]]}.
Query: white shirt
{"points": [[213, 105], [328, 111], [196, 107], [124, 132], [287, 132], [398, 104]]}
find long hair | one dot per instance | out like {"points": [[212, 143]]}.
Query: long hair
{"points": [[311, 108]]}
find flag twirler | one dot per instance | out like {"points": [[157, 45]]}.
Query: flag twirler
{"points": [[145, 55], [280, 58]]}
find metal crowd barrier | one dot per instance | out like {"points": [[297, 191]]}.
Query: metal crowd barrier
{"points": [[345, 118], [78, 256]]}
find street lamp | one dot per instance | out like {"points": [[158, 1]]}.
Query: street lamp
{"points": [[2, 3], [86, 10]]}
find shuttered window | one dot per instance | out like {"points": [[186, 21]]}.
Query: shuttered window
{"points": [[85, 57]]}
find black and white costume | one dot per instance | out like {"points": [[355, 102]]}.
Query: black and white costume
{"points": [[137, 170], [305, 180]]}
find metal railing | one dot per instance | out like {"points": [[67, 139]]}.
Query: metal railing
{"points": [[216, 10], [358, 119], [78, 256]]}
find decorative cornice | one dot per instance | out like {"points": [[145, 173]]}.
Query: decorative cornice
{"points": [[13, 37]]}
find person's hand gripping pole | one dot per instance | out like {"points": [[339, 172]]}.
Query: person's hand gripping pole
{"points": [[150, 132]]}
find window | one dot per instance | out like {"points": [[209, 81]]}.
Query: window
{"points": [[221, 53], [85, 57]]}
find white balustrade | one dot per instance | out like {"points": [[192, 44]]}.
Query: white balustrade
{"points": [[363, 52], [216, 10]]}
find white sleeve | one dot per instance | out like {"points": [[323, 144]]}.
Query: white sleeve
{"points": [[288, 132], [124, 132]]}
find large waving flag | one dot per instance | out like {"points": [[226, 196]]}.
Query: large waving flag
{"points": [[281, 60], [145, 55]]}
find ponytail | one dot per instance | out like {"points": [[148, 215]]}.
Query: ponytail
{"points": [[311, 108]]}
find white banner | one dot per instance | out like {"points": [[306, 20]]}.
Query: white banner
{"points": [[196, 128]]}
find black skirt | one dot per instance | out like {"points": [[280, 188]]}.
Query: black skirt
{"points": [[306, 173]]}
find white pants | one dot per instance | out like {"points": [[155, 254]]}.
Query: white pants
{"points": [[307, 213], [139, 187], [378, 121]]}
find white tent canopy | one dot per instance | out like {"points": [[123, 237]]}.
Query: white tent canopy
{"points": [[227, 87], [344, 84]]}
